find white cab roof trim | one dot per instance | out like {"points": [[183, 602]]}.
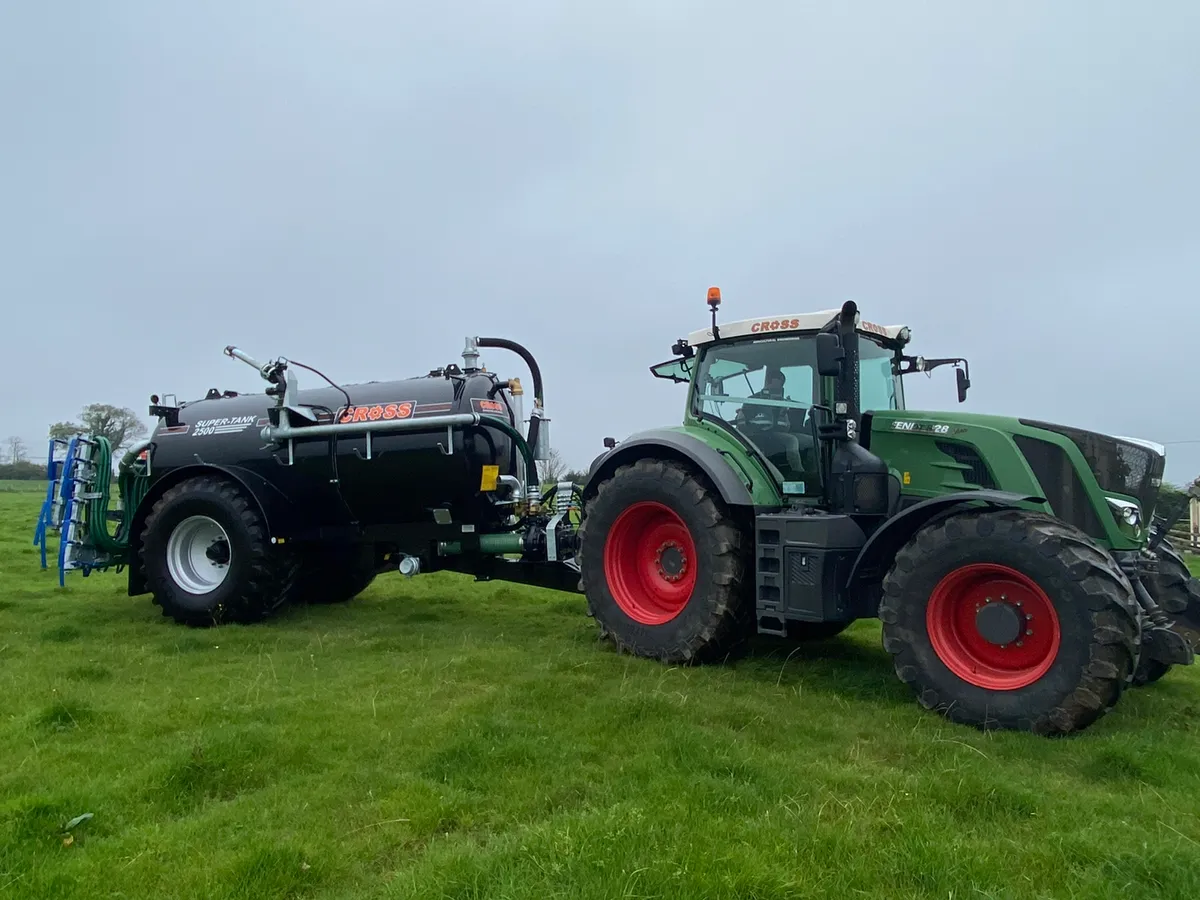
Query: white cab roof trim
{"points": [[1142, 442], [785, 324]]}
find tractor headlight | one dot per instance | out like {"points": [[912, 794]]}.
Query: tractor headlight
{"points": [[1128, 513]]}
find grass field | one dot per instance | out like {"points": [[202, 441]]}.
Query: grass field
{"points": [[438, 738]]}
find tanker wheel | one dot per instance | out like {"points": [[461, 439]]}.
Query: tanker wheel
{"points": [[662, 564], [1178, 593], [334, 574], [1007, 619], [207, 557]]}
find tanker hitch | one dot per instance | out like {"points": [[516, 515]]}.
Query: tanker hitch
{"points": [[543, 552]]}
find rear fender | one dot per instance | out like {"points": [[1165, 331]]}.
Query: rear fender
{"points": [[885, 542], [271, 503], [663, 444]]}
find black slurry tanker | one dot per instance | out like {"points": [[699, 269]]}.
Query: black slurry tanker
{"points": [[1018, 569], [247, 502]]}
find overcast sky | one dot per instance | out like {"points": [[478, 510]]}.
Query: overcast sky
{"points": [[359, 185]]}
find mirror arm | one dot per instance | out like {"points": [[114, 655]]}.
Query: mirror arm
{"points": [[906, 365], [921, 364]]}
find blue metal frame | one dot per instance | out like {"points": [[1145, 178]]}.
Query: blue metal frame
{"points": [[58, 510]]}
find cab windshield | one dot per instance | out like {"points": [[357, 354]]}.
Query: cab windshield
{"points": [[879, 386], [766, 388]]}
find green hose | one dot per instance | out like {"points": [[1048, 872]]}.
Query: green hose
{"points": [[132, 485], [518, 439]]}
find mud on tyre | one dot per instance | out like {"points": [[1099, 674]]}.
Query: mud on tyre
{"points": [[207, 557], [1010, 619], [662, 565]]}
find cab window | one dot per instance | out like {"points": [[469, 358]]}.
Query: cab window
{"points": [[673, 370], [764, 390], [879, 387]]}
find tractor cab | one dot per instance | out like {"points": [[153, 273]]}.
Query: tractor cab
{"points": [[766, 381]]}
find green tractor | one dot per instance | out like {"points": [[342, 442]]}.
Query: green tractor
{"points": [[1019, 573]]}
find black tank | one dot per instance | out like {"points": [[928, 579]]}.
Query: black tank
{"points": [[409, 475]]}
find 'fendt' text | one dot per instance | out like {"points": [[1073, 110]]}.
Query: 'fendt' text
{"points": [[921, 427]]}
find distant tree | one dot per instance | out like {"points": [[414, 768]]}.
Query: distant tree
{"points": [[575, 476], [552, 469], [1172, 501], [16, 451], [22, 471], [117, 423]]}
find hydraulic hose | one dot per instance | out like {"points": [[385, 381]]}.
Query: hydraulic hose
{"points": [[539, 398], [523, 447], [131, 486], [505, 344]]}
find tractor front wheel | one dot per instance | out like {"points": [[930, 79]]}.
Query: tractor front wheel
{"points": [[1008, 619], [1178, 593], [662, 563]]}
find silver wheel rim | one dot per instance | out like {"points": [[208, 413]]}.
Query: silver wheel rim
{"points": [[198, 555]]}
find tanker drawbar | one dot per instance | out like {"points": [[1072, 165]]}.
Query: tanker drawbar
{"points": [[240, 504]]}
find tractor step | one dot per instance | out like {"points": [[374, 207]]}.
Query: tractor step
{"points": [[802, 562]]}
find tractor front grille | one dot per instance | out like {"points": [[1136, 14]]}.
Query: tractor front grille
{"points": [[1119, 466], [1060, 483]]}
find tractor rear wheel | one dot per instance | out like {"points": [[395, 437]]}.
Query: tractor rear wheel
{"points": [[662, 564], [1008, 619], [1178, 593], [207, 557]]}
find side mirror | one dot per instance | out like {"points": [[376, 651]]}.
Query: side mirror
{"points": [[829, 354], [963, 383]]}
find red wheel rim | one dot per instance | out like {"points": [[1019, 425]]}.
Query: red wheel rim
{"points": [[993, 627], [650, 563]]}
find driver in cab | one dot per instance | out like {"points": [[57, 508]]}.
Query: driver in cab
{"points": [[771, 427]]}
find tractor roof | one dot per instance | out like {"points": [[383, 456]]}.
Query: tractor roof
{"points": [[796, 323]]}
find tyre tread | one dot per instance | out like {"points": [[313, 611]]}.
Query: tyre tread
{"points": [[725, 624], [1116, 632], [1177, 591], [272, 571]]}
